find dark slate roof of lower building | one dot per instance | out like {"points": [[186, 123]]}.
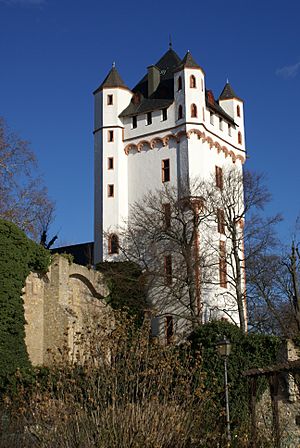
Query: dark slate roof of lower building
{"points": [[113, 79], [217, 109], [83, 253]]}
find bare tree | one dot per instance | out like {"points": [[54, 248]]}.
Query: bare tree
{"points": [[162, 236], [237, 204], [23, 197]]}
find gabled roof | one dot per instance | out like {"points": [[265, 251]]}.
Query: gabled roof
{"points": [[213, 105], [228, 93], [113, 79], [188, 62]]}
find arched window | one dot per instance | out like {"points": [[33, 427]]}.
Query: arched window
{"points": [[192, 82], [180, 112], [193, 111], [239, 138], [238, 111], [113, 244], [179, 83]]}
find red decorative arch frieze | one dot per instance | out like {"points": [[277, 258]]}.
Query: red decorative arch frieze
{"points": [[164, 141]]}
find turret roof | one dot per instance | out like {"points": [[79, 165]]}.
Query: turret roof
{"points": [[228, 93], [113, 79], [188, 62]]}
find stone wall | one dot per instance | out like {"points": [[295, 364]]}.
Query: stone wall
{"points": [[60, 305]]}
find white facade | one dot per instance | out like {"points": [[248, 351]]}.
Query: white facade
{"points": [[210, 135]]}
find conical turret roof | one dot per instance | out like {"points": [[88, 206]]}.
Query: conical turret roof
{"points": [[188, 62], [113, 79], [228, 93]]}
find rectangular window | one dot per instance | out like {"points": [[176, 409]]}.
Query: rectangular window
{"points": [[221, 221], [167, 215], [110, 100], [164, 114], [169, 329], [149, 118], [229, 130], [110, 190], [165, 170], [221, 124], [223, 265], [211, 118], [134, 121], [110, 136], [110, 163], [219, 177], [168, 270]]}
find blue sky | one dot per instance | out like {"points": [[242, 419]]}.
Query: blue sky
{"points": [[54, 53]]}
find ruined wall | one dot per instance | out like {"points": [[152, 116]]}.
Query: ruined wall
{"points": [[59, 305]]}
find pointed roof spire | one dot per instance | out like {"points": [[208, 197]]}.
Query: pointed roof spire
{"points": [[113, 79], [189, 62], [228, 93]]}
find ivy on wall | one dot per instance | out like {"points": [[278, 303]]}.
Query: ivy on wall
{"points": [[18, 256], [248, 351]]}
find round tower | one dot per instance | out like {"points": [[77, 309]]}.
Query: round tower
{"points": [[234, 106], [111, 179]]}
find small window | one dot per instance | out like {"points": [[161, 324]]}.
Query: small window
{"points": [[110, 163], [113, 244], [168, 270], [221, 124], [179, 84], [221, 221], [203, 114], [229, 130], [167, 215], [219, 177], [110, 136], [169, 329], [134, 121], [223, 265], [193, 111], [202, 86], [180, 112], [164, 113], [238, 111], [211, 118], [110, 190], [110, 100], [149, 118], [165, 170], [192, 82], [239, 138]]}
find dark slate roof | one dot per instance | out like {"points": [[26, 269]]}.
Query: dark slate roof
{"points": [[188, 62], [83, 253], [164, 94], [228, 93], [217, 109], [113, 79]]}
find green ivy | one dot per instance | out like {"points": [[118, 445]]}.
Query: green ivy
{"points": [[126, 286], [18, 256], [248, 351]]}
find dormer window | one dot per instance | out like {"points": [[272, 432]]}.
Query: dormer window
{"points": [[192, 82], [149, 118], [238, 111], [180, 112], [110, 100], [179, 84], [134, 122], [240, 138], [193, 111]]}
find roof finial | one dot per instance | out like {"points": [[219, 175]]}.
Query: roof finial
{"points": [[227, 81], [114, 64], [170, 41]]}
